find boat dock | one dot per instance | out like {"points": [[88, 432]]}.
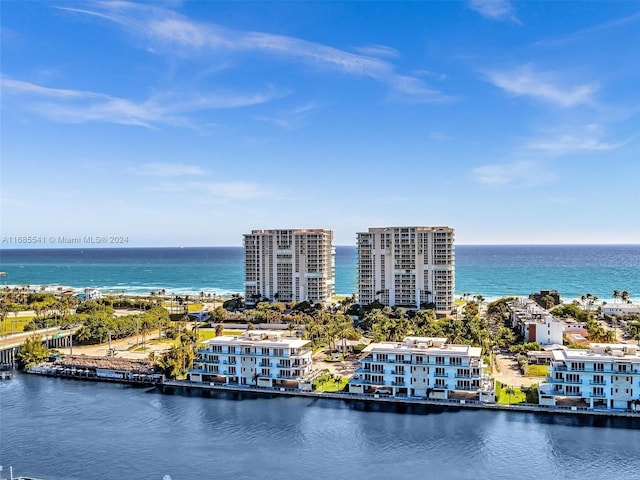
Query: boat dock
{"points": [[119, 370]]}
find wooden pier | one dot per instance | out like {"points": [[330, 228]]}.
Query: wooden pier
{"points": [[118, 370]]}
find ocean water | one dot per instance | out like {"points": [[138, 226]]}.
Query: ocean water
{"points": [[490, 270], [72, 430]]}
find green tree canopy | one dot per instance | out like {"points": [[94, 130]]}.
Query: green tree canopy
{"points": [[32, 352]]}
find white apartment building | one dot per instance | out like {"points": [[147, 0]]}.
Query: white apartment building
{"points": [[289, 265], [407, 266], [421, 367], [606, 376], [535, 323], [265, 358], [620, 310]]}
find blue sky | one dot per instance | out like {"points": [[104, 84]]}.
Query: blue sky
{"points": [[191, 123]]}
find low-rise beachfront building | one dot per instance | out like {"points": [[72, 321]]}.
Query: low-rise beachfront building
{"points": [[265, 358], [92, 294], [535, 323], [420, 367], [620, 310], [605, 376]]}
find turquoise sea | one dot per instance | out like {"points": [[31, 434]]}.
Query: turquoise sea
{"points": [[490, 270]]}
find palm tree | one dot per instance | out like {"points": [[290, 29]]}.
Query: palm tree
{"points": [[616, 295], [625, 296], [83, 334], [588, 300], [219, 330]]}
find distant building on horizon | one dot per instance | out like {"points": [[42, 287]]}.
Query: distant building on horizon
{"points": [[408, 267], [620, 309], [289, 265]]}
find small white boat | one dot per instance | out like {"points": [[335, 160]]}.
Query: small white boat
{"points": [[11, 477]]}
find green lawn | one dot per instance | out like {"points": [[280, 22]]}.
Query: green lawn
{"points": [[205, 335], [193, 307], [537, 370], [18, 324], [509, 395], [329, 383]]}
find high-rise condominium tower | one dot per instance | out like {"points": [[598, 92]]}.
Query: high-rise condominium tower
{"points": [[407, 267], [289, 265]]}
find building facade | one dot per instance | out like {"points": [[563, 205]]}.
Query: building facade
{"points": [[289, 265], [606, 376], [407, 267], [264, 358], [620, 310], [535, 323], [421, 367]]}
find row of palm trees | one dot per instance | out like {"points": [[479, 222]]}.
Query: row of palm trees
{"points": [[624, 296], [588, 300]]}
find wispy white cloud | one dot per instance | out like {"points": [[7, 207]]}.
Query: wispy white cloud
{"points": [[495, 9], [591, 31], [516, 174], [216, 191], [571, 144], [525, 81], [584, 139], [412, 89], [236, 190], [291, 117], [166, 169], [77, 106], [377, 51], [18, 86], [279, 121], [168, 31]]}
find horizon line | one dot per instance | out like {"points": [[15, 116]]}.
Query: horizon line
{"points": [[123, 247]]}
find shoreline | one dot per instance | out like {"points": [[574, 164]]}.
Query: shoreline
{"points": [[400, 404], [226, 294]]}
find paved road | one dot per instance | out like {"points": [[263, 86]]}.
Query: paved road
{"points": [[18, 338]]}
